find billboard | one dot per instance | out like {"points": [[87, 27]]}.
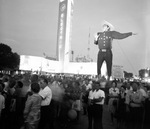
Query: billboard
{"points": [[31, 63], [34, 63], [117, 71]]}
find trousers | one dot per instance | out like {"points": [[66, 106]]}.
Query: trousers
{"points": [[104, 56], [95, 113], [47, 117]]}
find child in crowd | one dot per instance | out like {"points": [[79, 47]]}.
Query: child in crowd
{"points": [[32, 108]]}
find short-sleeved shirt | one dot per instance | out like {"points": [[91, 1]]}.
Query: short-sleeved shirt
{"points": [[46, 95], [90, 94], [32, 108], [133, 97], [96, 94]]}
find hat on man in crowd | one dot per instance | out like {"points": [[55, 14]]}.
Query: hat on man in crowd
{"points": [[108, 24]]}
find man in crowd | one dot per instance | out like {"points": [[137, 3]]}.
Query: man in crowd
{"points": [[46, 113], [134, 100], [96, 102]]}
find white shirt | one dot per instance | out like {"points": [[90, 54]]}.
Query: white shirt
{"points": [[6, 86], [46, 95], [89, 86], [91, 94], [96, 94]]}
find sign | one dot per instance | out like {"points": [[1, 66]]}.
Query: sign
{"points": [[117, 71]]}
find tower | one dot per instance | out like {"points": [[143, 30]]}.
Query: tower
{"points": [[64, 33]]}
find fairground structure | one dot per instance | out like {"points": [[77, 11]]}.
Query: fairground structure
{"points": [[62, 63]]}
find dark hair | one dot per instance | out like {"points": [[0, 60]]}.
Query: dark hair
{"points": [[96, 82], [20, 84], [134, 82], [77, 83], [114, 82], [35, 87], [5, 79], [45, 80], [1, 86], [124, 87], [34, 78], [1, 75], [12, 83]]}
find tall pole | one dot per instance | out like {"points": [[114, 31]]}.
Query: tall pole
{"points": [[88, 49], [72, 53]]}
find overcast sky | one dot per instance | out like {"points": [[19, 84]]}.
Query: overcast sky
{"points": [[29, 27]]}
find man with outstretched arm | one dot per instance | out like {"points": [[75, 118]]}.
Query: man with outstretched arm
{"points": [[104, 41]]}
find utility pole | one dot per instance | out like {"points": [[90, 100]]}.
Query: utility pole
{"points": [[72, 53], [88, 49]]}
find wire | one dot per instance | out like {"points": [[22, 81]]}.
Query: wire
{"points": [[126, 57]]}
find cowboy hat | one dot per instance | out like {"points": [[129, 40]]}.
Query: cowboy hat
{"points": [[108, 24]]}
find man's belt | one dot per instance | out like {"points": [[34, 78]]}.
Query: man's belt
{"points": [[104, 50]]}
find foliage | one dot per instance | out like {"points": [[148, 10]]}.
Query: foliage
{"points": [[128, 75], [8, 59], [73, 91]]}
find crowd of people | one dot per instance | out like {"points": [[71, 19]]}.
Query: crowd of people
{"points": [[130, 104], [32, 101]]}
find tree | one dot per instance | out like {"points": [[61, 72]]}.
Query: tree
{"points": [[8, 59], [128, 75]]}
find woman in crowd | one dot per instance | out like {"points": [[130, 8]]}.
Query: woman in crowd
{"points": [[121, 110], [113, 100]]}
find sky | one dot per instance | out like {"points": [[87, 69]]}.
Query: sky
{"points": [[29, 27]]}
